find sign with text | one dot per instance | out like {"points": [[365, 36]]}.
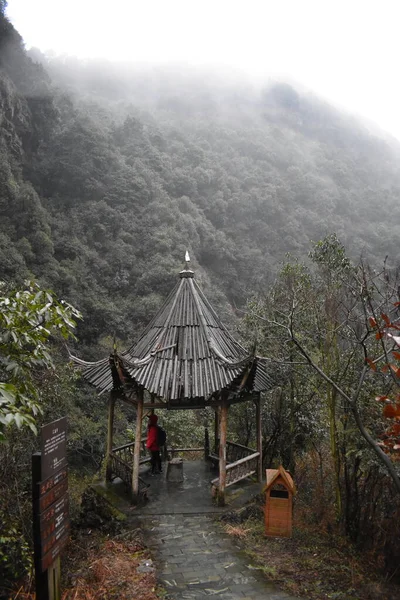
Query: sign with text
{"points": [[51, 523], [48, 484], [53, 495], [54, 518], [48, 559], [54, 447]]}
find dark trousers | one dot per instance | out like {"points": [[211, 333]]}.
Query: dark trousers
{"points": [[155, 461]]}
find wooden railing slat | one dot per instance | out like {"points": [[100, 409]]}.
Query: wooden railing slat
{"points": [[242, 461], [172, 450]]}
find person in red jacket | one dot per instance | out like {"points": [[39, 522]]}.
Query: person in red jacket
{"points": [[152, 445]]}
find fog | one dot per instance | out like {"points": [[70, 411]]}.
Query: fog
{"points": [[344, 51]]}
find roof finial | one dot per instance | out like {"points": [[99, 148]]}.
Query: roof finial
{"points": [[186, 271]]}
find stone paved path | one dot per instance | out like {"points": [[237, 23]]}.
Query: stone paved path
{"points": [[195, 559]]}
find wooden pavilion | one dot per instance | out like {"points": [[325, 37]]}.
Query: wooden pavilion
{"points": [[185, 359]]}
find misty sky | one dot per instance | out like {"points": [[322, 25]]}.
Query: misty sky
{"points": [[345, 50]]}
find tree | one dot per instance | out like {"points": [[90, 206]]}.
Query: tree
{"points": [[293, 419], [28, 317], [354, 319], [339, 320]]}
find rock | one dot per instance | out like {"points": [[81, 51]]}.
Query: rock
{"points": [[98, 513], [145, 566]]}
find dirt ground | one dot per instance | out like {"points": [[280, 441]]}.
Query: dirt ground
{"points": [[99, 567], [116, 565], [311, 564], [96, 566]]}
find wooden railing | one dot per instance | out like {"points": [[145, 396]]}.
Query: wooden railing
{"points": [[121, 463], [241, 461], [235, 452], [242, 468], [187, 451], [121, 459]]}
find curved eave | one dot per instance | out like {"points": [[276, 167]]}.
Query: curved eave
{"points": [[99, 374], [263, 377], [181, 382], [184, 356], [175, 380]]}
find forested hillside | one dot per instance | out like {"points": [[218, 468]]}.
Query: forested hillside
{"points": [[108, 174]]}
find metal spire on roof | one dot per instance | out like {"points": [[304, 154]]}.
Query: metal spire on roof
{"points": [[187, 272]]}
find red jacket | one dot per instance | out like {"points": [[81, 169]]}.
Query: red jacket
{"points": [[152, 435]]}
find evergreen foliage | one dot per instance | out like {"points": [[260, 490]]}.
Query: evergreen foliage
{"points": [[106, 179], [107, 175], [27, 319]]}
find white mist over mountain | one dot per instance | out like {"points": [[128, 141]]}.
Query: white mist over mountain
{"points": [[345, 51]]}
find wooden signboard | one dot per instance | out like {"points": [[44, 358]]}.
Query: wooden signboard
{"points": [[54, 519], [51, 523], [55, 544], [54, 494], [54, 447]]}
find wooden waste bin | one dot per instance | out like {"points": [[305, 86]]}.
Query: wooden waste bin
{"points": [[279, 503]]}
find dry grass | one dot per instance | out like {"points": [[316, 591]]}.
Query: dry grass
{"points": [[98, 568], [313, 564], [236, 530], [109, 572]]}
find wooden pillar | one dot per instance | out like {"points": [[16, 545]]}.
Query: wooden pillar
{"points": [[110, 433], [136, 451], [206, 444], [259, 438], [216, 431], [222, 452]]}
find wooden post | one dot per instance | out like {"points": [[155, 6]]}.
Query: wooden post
{"points": [[55, 580], [206, 444], [41, 578], [259, 437], [110, 432], [222, 453], [216, 431], [136, 452]]}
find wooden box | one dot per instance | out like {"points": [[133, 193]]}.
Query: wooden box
{"points": [[278, 511]]}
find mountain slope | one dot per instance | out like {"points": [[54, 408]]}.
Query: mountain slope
{"points": [[108, 174]]}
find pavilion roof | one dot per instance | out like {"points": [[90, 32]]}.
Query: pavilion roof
{"points": [[185, 356]]}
